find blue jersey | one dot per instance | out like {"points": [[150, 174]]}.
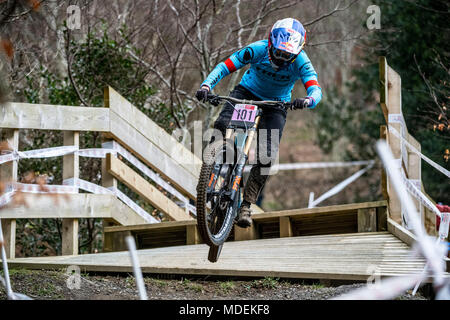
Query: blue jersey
{"points": [[262, 80]]}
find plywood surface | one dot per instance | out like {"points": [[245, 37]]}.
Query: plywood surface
{"points": [[348, 256]]}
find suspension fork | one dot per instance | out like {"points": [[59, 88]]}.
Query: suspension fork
{"points": [[243, 142]]}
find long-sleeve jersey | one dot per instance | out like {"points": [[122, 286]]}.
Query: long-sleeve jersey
{"points": [[262, 80]]}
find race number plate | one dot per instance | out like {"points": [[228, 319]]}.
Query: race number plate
{"points": [[244, 113]]}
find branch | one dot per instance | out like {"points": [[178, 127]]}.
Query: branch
{"points": [[69, 70], [326, 15]]}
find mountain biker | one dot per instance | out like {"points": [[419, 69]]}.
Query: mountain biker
{"points": [[275, 66]]}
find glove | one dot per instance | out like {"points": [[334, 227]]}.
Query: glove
{"points": [[202, 94], [301, 103]]}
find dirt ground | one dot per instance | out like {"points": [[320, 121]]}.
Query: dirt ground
{"points": [[53, 285]]}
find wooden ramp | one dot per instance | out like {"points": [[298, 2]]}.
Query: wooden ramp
{"points": [[337, 257]]}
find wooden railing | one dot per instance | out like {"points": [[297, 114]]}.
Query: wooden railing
{"points": [[119, 122], [391, 105]]}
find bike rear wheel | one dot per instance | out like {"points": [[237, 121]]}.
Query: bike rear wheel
{"points": [[215, 224]]}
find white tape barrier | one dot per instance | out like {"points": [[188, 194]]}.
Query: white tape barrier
{"points": [[96, 189], [418, 194], [39, 153], [425, 158], [112, 145], [119, 194], [338, 188], [71, 186], [313, 165], [109, 147], [429, 250]]}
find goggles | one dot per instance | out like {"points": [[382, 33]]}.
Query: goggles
{"points": [[282, 55]]}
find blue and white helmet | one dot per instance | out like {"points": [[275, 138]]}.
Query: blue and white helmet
{"points": [[286, 40]]}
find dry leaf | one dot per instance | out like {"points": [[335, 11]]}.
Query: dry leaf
{"points": [[35, 4], [7, 47]]}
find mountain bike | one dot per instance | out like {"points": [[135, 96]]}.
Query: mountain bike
{"points": [[219, 187]]}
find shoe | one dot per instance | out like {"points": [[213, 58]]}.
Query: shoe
{"points": [[244, 219]]}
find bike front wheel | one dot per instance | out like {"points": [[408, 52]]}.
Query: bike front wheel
{"points": [[215, 211]]}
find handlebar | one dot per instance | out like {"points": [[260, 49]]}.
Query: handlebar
{"points": [[215, 99]]}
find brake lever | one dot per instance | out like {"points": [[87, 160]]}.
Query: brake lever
{"points": [[213, 99]]}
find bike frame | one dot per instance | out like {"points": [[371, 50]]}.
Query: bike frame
{"points": [[242, 142]]}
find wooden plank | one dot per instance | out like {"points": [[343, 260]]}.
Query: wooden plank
{"points": [[69, 232], [73, 206], [153, 226], [400, 232], [149, 129], [9, 236], [152, 156], [139, 185], [345, 208], [345, 257], [52, 117], [367, 220], [285, 227]]}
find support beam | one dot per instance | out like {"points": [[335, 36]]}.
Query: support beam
{"points": [[367, 220], [108, 181], [8, 173], [69, 237], [382, 216], [192, 235], [415, 174], [71, 169], [285, 227], [146, 190], [384, 191]]}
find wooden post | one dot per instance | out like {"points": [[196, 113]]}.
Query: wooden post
{"points": [[192, 235], [382, 219], [8, 173], [71, 169], [108, 181], [384, 191], [415, 174], [249, 233], [367, 220], [285, 227], [394, 107]]}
